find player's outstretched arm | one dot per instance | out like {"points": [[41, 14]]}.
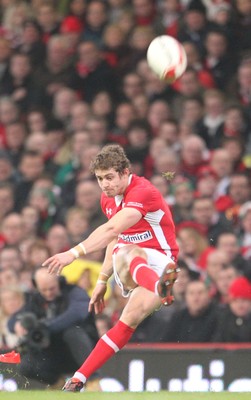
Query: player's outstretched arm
{"points": [[98, 239], [57, 262]]}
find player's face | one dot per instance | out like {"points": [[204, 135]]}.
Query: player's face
{"points": [[111, 182]]}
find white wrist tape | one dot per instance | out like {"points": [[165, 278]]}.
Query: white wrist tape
{"points": [[74, 252], [82, 247], [103, 273], [101, 282]]}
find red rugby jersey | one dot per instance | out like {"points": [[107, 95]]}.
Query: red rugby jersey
{"points": [[155, 230]]}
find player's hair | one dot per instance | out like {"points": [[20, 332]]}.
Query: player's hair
{"points": [[111, 156]]}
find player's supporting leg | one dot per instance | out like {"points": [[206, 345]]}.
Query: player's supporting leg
{"points": [[141, 303], [109, 344]]}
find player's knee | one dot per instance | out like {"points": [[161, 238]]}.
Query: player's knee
{"points": [[135, 251]]}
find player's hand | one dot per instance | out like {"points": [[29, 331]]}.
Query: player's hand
{"points": [[97, 302], [57, 262]]}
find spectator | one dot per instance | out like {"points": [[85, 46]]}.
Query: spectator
{"points": [[44, 201], [156, 326], [87, 198], [15, 16], [48, 20], [98, 129], [5, 53], [96, 18], [132, 85], [235, 148], [11, 259], [205, 214], [222, 165], [195, 24], [124, 116], [102, 107], [77, 225], [183, 199], [244, 229], [216, 260], [7, 199], [82, 173], [195, 61], [30, 216], [36, 253], [63, 100], [207, 182], [71, 28], [193, 244], [169, 131], [57, 238], [223, 280], [210, 125], [137, 148], [228, 242], [192, 111], [239, 193], [12, 229], [240, 87], [219, 61], [36, 120], [67, 328], [92, 72], [16, 134], [54, 72], [11, 300], [31, 167], [187, 86], [243, 11], [8, 278], [144, 12], [193, 156], [9, 113], [70, 160], [196, 322], [80, 112], [31, 42], [162, 184], [234, 322], [158, 112]]}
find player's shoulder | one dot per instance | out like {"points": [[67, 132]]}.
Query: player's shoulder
{"points": [[140, 182], [141, 186]]}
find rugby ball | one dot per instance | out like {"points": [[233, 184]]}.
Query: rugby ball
{"points": [[166, 57]]}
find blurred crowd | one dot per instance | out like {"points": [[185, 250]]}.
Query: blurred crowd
{"points": [[73, 77]]}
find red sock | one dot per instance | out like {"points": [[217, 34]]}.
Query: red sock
{"points": [[142, 274], [107, 346]]}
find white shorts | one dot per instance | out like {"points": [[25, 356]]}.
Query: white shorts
{"points": [[156, 261]]}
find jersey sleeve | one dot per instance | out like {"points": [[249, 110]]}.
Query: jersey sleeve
{"points": [[141, 199]]}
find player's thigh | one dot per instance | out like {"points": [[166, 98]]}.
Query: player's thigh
{"points": [[121, 263], [141, 303]]}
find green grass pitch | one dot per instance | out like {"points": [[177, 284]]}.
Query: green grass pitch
{"points": [[164, 395]]}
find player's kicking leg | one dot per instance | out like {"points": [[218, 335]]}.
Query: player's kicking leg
{"points": [[166, 282]]}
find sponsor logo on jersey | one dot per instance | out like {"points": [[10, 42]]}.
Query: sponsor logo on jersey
{"points": [[137, 238], [134, 204], [108, 211]]}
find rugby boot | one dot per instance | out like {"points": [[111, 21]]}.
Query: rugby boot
{"points": [[166, 282], [73, 385]]}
